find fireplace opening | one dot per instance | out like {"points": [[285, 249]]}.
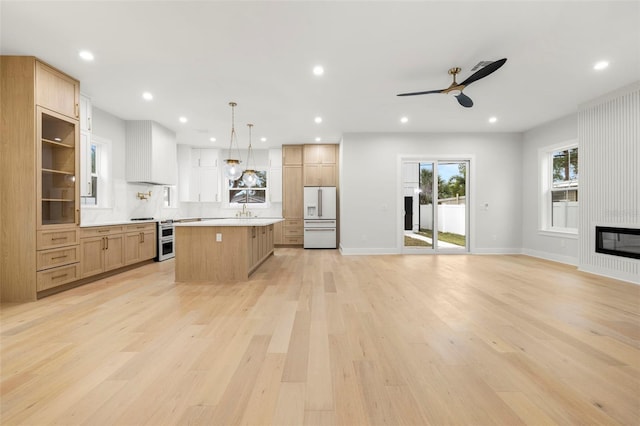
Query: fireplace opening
{"points": [[623, 242]]}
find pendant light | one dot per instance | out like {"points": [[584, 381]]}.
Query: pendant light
{"points": [[232, 169], [250, 177]]}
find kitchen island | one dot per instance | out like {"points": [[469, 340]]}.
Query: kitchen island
{"points": [[222, 250]]}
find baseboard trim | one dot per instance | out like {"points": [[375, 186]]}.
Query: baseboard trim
{"points": [[569, 260], [616, 275]]}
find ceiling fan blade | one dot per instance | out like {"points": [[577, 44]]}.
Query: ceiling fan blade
{"points": [[421, 93], [464, 100], [484, 71]]}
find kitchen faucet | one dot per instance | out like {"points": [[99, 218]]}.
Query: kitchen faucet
{"points": [[244, 212]]}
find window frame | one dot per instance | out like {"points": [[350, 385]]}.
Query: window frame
{"points": [[266, 204], [546, 190], [104, 160]]}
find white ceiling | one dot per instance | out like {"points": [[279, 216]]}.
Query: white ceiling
{"points": [[195, 57]]}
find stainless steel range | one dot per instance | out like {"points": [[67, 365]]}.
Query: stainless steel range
{"points": [[166, 244]]}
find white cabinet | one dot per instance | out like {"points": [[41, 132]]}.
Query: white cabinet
{"points": [[275, 175], [86, 113], [199, 174], [85, 146]]}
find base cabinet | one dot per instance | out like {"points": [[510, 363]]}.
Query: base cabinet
{"points": [[139, 243], [101, 254]]}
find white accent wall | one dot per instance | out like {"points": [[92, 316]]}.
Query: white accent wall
{"points": [[558, 247], [609, 165], [371, 188]]}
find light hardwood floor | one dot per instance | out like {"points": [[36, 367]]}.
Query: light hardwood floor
{"points": [[318, 338]]}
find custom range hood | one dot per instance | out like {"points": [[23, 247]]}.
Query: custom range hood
{"points": [[150, 154]]}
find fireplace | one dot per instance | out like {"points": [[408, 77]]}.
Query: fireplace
{"points": [[623, 242]]}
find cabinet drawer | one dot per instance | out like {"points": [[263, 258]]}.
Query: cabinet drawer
{"points": [[292, 240], [57, 276], [140, 227], [100, 231], [56, 238], [48, 259], [293, 232], [293, 223]]}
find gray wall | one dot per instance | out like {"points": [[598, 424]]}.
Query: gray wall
{"points": [[559, 247], [371, 194]]}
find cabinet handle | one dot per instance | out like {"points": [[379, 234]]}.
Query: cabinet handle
{"points": [[59, 257], [59, 276], [142, 237], [89, 123], [106, 239], [77, 216], [58, 238], [77, 111], [103, 230]]}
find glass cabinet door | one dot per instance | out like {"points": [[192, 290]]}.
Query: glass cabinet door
{"points": [[57, 181]]}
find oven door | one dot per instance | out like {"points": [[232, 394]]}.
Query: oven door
{"points": [[166, 231], [166, 249]]}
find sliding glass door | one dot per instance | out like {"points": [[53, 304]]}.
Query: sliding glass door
{"points": [[436, 217]]}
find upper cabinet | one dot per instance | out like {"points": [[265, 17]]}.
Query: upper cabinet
{"points": [[57, 91], [320, 154], [320, 167], [86, 114], [198, 174], [292, 155], [151, 153]]}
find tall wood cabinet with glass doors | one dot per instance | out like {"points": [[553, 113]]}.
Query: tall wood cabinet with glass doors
{"points": [[39, 168]]}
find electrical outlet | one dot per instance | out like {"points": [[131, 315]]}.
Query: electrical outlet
{"points": [[219, 237]]}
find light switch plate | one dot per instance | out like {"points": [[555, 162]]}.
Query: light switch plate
{"points": [[219, 237]]}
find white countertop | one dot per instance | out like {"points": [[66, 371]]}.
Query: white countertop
{"points": [[249, 221], [119, 222]]}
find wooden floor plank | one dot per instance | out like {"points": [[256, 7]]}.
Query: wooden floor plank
{"points": [[322, 339]]}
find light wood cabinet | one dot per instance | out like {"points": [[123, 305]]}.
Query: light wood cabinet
{"points": [[139, 243], [58, 161], [57, 91], [101, 254], [277, 233], [292, 155], [320, 167], [39, 173], [101, 249], [320, 154]]}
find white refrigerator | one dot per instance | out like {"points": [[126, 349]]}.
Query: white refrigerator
{"points": [[320, 217]]}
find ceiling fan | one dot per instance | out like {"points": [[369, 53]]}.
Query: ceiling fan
{"points": [[456, 88]]}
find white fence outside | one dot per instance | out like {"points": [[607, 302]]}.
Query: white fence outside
{"points": [[565, 214], [451, 218]]}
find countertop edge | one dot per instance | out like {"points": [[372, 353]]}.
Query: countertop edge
{"points": [[231, 222]]}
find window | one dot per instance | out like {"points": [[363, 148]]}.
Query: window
{"points": [[560, 189], [239, 193], [95, 177]]}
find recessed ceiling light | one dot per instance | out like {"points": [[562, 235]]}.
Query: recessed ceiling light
{"points": [[318, 120], [404, 120], [599, 66], [318, 70], [493, 119], [86, 55], [212, 139], [318, 139], [183, 119], [263, 139], [147, 96]]}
